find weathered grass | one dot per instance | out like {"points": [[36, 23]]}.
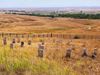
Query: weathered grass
{"points": [[22, 61]]}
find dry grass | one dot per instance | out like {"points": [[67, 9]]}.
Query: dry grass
{"points": [[24, 61], [31, 24]]}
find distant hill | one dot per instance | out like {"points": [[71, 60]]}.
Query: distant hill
{"points": [[32, 24]]}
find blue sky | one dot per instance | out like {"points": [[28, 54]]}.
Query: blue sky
{"points": [[49, 3]]}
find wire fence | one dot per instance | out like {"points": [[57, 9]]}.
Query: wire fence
{"points": [[50, 35]]}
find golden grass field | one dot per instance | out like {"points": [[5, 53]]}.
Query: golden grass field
{"points": [[31, 24], [24, 61]]}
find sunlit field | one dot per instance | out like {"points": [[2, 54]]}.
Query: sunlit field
{"points": [[17, 60], [25, 61]]}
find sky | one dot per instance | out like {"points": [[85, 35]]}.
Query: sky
{"points": [[48, 3]]}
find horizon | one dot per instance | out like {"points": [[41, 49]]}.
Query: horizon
{"points": [[47, 7]]}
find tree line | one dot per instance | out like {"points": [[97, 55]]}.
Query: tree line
{"points": [[68, 15]]}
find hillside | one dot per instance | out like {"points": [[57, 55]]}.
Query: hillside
{"points": [[31, 24], [24, 60]]}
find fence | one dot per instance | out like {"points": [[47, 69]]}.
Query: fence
{"points": [[50, 35]]}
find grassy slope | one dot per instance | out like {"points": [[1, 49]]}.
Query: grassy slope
{"points": [[31, 24], [25, 61]]}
